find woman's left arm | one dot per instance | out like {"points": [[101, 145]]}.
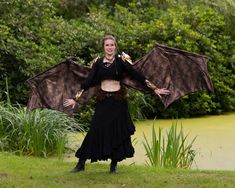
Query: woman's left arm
{"points": [[139, 77]]}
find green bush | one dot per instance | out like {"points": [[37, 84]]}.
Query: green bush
{"points": [[35, 35]]}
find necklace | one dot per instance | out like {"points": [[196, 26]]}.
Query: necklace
{"points": [[109, 59]]}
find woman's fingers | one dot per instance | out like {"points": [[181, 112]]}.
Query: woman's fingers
{"points": [[162, 91], [166, 92], [73, 106], [69, 102], [159, 95], [66, 104]]}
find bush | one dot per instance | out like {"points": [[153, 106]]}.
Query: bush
{"points": [[45, 32]]}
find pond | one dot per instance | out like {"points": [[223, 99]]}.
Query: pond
{"points": [[215, 142]]}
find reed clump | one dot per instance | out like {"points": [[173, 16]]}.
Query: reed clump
{"points": [[170, 151], [42, 132]]}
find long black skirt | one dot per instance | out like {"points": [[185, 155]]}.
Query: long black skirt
{"points": [[109, 136]]}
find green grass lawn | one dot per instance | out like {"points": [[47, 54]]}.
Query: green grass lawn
{"points": [[18, 171]]}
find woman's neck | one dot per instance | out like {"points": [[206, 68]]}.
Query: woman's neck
{"points": [[109, 58]]}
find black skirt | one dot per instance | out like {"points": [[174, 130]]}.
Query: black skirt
{"points": [[109, 136]]}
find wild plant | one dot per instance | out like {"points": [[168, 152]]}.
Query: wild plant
{"points": [[171, 152], [42, 132]]}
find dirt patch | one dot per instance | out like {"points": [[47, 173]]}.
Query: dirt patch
{"points": [[3, 176]]}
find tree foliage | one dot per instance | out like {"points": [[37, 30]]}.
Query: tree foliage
{"points": [[36, 34]]}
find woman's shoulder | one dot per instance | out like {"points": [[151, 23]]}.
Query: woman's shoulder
{"points": [[96, 61], [123, 57]]}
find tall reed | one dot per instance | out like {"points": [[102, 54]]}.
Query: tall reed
{"points": [[170, 152], [41, 132]]}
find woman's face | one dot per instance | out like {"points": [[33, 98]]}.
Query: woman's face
{"points": [[109, 47]]}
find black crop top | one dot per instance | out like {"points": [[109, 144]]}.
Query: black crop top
{"points": [[115, 71]]}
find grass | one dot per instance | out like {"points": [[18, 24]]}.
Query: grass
{"points": [[18, 171]]}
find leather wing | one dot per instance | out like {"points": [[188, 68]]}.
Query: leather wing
{"points": [[179, 71], [50, 88]]}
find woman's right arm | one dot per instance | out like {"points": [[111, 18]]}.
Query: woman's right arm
{"points": [[91, 77], [84, 86]]}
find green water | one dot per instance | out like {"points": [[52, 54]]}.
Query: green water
{"points": [[215, 142]]}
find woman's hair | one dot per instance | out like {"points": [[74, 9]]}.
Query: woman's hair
{"points": [[109, 37]]}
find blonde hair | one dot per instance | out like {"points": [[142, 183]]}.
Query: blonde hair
{"points": [[109, 37]]}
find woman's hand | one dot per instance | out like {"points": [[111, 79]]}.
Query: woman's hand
{"points": [[162, 91], [69, 102]]}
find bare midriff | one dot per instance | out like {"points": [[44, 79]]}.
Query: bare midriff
{"points": [[110, 85]]}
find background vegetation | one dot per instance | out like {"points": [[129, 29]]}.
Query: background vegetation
{"points": [[35, 35]]}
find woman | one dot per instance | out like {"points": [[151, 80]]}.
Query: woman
{"points": [[109, 136]]}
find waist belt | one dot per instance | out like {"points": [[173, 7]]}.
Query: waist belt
{"points": [[117, 95]]}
